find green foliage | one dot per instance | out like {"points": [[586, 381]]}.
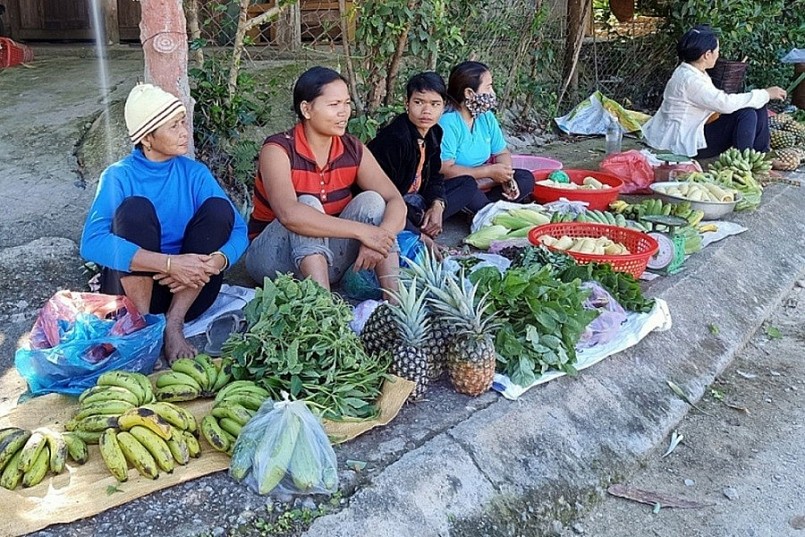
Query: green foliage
{"points": [[763, 31], [365, 127], [218, 121]]}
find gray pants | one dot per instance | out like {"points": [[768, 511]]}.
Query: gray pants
{"points": [[277, 250]]}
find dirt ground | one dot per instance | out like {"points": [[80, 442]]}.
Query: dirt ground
{"points": [[743, 458]]}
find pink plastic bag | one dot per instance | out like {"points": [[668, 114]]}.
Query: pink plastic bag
{"points": [[633, 168]]}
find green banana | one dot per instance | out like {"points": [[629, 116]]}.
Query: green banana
{"points": [[224, 375], [170, 413], [148, 419], [38, 469], [248, 400], [12, 475], [177, 444], [76, 448], [156, 446], [100, 394], [31, 450], [230, 426], [176, 378], [96, 424], [209, 368], [126, 380], [6, 432], [281, 456], [194, 369], [193, 447], [137, 455], [232, 386], [58, 451], [190, 419], [105, 408], [177, 392], [88, 437], [238, 413], [11, 444], [215, 436], [113, 456]]}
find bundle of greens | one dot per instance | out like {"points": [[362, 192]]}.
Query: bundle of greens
{"points": [[543, 319], [299, 341]]}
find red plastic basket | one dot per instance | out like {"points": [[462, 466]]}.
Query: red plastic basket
{"points": [[640, 244], [596, 199], [12, 53]]}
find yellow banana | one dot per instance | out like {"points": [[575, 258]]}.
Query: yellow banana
{"points": [[170, 413], [99, 394], [704, 228], [238, 413], [224, 375], [209, 369], [194, 369], [31, 450], [124, 379], [215, 436], [76, 448], [12, 475], [190, 419], [113, 455], [148, 419], [96, 424], [137, 455], [58, 450], [174, 378], [11, 444], [38, 470], [178, 447], [105, 408], [177, 392], [193, 447], [156, 446]]}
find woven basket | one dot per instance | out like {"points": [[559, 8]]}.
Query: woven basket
{"points": [[729, 75]]}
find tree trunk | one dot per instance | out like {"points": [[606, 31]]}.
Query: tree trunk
{"points": [[244, 25], [195, 29], [163, 33], [353, 81], [394, 65], [577, 11]]}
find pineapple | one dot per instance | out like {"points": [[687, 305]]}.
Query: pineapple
{"points": [[408, 357], [430, 273], [471, 358], [787, 159], [780, 139], [379, 332]]}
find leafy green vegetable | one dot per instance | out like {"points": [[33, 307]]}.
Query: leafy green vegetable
{"points": [[299, 341], [543, 319], [622, 286]]}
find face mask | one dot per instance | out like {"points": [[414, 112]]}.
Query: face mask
{"points": [[479, 103]]}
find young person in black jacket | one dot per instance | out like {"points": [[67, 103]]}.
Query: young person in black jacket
{"points": [[408, 150]]}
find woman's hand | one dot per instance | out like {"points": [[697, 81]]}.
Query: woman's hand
{"points": [[188, 271], [501, 173], [432, 220], [776, 93], [378, 239], [367, 259]]}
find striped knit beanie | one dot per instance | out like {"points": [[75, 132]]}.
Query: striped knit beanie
{"points": [[148, 108]]}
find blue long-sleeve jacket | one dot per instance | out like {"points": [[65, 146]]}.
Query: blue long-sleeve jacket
{"points": [[176, 187]]}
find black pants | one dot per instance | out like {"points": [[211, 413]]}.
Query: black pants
{"points": [[209, 229], [745, 128], [463, 193]]}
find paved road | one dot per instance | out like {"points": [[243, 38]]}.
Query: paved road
{"points": [[747, 464]]}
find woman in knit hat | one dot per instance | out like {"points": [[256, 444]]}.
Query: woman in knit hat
{"points": [[307, 218], [161, 227]]}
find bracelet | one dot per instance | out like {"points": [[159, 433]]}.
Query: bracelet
{"points": [[226, 259], [168, 264]]}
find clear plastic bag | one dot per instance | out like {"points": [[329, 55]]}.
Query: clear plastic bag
{"points": [[607, 325], [79, 336], [284, 451]]}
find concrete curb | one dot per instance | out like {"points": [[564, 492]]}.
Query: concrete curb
{"points": [[517, 468]]}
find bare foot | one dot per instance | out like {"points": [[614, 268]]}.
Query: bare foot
{"points": [[176, 346], [436, 249]]}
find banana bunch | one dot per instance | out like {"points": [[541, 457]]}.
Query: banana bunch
{"points": [[234, 406], [151, 438], [747, 160], [656, 207], [191, 378], [99, 408], [558, 218], [27, 456], [602, 217]]}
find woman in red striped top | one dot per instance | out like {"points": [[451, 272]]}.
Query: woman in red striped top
{"points": [[305, 218]]}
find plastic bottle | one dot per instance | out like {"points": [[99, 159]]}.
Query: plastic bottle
{"points": [[614, 137]]}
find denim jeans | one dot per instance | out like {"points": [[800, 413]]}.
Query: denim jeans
{"points": [[277, 250]]}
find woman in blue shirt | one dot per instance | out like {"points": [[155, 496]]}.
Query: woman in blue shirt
{"points": [[473, 143], [161, 227]]}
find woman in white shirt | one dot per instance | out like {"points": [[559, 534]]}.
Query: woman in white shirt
{"points": [[690, 99]]}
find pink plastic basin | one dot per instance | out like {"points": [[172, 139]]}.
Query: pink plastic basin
{"points": [[533, 163]]}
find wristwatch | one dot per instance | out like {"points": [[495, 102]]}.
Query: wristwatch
{"points": [[440, 202]]}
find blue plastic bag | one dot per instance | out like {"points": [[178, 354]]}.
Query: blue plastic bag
{"points": [[88, 348], [410, 245]]}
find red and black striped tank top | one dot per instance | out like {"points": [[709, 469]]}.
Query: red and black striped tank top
{"points": [[331, 184]]}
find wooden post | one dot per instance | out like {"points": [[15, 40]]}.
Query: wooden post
{"points": [[110, 22], [163, 33], [574, 29], [289, 28]]}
